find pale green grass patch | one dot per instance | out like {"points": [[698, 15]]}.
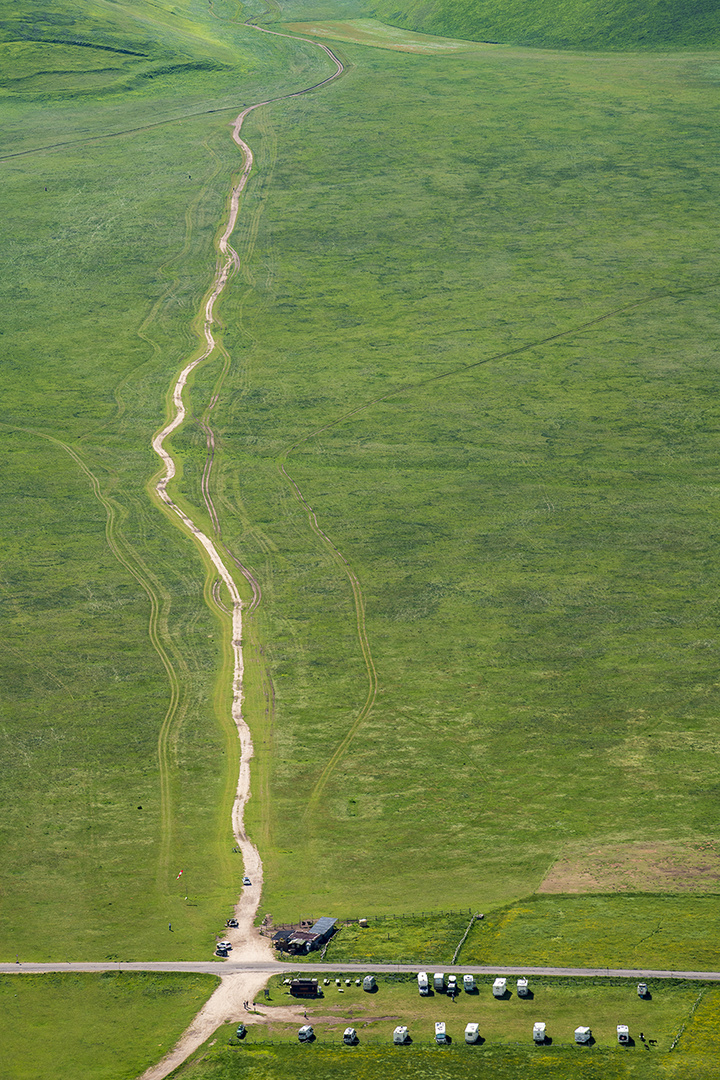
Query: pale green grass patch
{"points": [[382, 36]]}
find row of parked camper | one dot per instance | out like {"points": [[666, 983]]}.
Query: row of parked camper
{"points": [[401, 1034], [451, 987]]}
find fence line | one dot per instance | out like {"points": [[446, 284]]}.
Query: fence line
{"points": [[463, 939], [687, 1020], [400, 915]]}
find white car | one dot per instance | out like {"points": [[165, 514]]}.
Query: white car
{"points": [[452, 984], [247, 881]]}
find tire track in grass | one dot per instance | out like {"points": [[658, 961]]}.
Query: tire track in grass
{"points": [[337, 555], [370, 668], [158, 633]]}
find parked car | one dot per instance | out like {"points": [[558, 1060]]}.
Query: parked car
{"points": [[247, 881]]}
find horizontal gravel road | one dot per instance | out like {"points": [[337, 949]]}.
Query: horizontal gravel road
{"points": [[228, 967]]}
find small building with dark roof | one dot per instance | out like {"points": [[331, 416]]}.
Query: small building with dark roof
{"points": [[324, 929]]}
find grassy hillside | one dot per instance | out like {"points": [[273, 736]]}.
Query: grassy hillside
{"points": [[573, 24], [118, 759], [520, 250]]}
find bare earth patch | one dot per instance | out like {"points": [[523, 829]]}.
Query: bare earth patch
{"points": [[671, 867]]}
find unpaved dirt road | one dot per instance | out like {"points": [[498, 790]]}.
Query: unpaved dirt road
{"points": [[226, 1004]]}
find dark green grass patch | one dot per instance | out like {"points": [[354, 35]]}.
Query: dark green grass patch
{"points": [[574, 24], [99, 1027]]}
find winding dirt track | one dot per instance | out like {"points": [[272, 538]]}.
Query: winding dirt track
{"points": [[248, 946]]}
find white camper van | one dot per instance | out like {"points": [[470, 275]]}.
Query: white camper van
{"points": [[439, 982], [583, 1035], [468, 983], [539, 1032], [499, 988], [423, 984], [623, 1034], [306, 1033], [369, 983], [400, 1035], [472, 1033], [440, 1035], [350, 1036], [523, 989]]}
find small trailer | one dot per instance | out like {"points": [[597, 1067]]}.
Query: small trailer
{"points": [[439, 982], [523, 990], [642, 990], [306, 1033], [350, 1036], [440, 1033], [452, 988], [369, 983], [499, 988], [423, 984], [472, 1033], [400, 1035], [539, 1032], [582, 1035], [623, 1034], [306, 988], [468, 984]]}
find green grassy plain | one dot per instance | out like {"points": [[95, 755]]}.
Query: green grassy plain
{"points": [[476, 324], [633, 931], [506, 1050], [480, 339], [661, 932], [98, 1027], [119, 760]]}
